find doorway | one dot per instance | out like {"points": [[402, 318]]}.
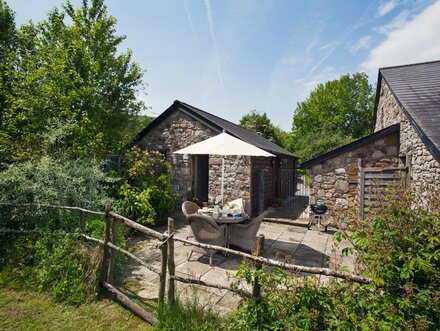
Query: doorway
{"points": [[201, 177]]}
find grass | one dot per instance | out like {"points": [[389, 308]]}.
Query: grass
{"points": [[21, 310]]}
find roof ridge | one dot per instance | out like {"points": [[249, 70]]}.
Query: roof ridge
{"points": [[242, 127], [238, 127], [204, 111], [409, 64]]}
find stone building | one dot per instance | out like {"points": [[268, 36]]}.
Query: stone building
{"points": [[259, 180], [405, 139]]}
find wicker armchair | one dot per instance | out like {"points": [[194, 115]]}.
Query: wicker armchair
{"points": [[206, 231], [189, 208], [245, 235]]}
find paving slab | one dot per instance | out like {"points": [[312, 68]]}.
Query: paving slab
{"points": [[288, 243]]}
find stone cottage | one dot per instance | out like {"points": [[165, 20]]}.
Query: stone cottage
{"points": [[405, 143], [259, 180]]}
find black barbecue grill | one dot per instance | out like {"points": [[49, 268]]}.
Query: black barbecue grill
{"points": [[319, 209]]}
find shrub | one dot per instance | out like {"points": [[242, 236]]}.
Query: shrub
{"points": [[57, 264], [398, 247], [49, 181], [146, 193]]}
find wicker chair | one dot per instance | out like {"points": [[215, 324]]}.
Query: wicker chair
{"points": [[245, 235], [206, 231], [189, 208]]}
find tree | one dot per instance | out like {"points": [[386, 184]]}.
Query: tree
{"points": [[71, 75], [262, 125], [343, 108], [314, 143], [7, 47]]}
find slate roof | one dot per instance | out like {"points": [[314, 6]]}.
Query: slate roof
{"points": [[416, 88], [218, 124], [348, 147]]}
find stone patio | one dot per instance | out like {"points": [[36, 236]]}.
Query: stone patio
{"points": [[290, 243]]}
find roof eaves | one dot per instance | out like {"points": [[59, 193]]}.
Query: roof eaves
{"points": [[357, 143]]}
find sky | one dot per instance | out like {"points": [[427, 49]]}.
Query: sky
{"points": [[232, 56]]}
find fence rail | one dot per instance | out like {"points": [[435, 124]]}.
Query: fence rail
{"points": [[166, 244]]}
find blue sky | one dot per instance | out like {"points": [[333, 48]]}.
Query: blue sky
{"points": [[229, 57]]}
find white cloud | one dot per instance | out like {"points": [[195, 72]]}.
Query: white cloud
{"points": [[289, 61], [328, 48], [362, 43], [188, 15], [214, 41], [396, 23], [386, 7], [417, 40]]}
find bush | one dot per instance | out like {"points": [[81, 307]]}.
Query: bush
{"points": [[49, 181], [51, 261], [398, 248], [57, 264], [146, 193]]}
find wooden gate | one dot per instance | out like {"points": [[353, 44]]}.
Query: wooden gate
{"points": [[286, 184], [377, 185]]}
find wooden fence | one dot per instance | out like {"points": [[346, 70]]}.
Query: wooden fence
{"points": [[166, 244], [375, 184]]}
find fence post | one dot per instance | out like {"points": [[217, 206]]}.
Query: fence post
{"points": [[81, 217], [171, 265], [361, 183], [256, 290], [111, 267], [163, 271], [105, 254]]}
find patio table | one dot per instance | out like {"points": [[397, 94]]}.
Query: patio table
{"points": [[228, 220]]}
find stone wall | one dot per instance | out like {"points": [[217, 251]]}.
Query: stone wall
{"points": [[335, 181], [236, 179], [179, 130], [425, 170], [388, 110]]}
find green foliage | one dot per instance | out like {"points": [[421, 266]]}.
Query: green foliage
{"points": [[341, 109], [147, 193], [56, 264], [23, 310], [49, 181], [262, 125], [68, 73], [398, 247], [7, 47], [135, 204], [314, 143], [188, 316]]}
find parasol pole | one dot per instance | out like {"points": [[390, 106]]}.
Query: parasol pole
{"points": [[223, 176]]}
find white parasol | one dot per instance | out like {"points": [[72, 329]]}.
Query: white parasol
{"points": [[223, 145]]}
